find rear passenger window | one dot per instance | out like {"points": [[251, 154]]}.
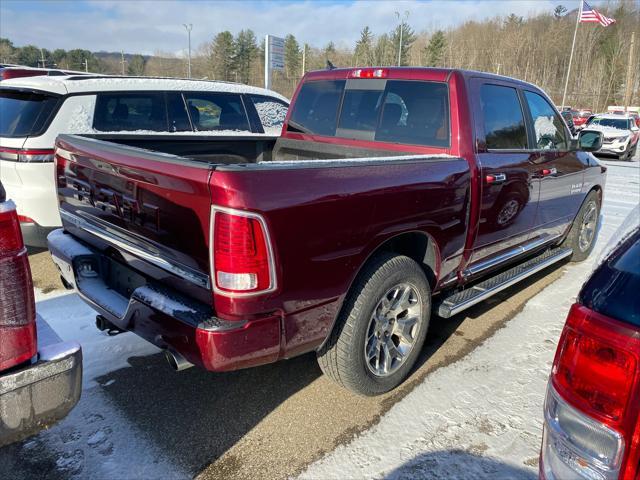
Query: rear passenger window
{"points": [[130, 111], [216, 111], [549, 129], [271, 111], [415, 113], [316, 109], [502, 118]]}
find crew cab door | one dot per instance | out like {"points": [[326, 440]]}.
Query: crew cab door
{"points": [[558, 172], [508, 195]]}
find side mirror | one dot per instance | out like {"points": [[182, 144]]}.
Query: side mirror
{"points": [[589, 141]]}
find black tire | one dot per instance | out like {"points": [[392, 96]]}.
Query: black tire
{"points": [[572, 240], [343, 358]]}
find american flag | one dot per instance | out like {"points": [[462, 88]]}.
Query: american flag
{"points": [[590, 15]]}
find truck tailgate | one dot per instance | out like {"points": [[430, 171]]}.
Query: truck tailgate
{"points": [[146, 209]]}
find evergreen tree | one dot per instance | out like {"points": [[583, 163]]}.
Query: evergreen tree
{"points": [[291, 56], [7, 51], [434, 51], [408, 37], [246, 51], [364, 48], [136, 65], [329, 51], [75, 60], [57, 56], [383, 51], [222, 56], [28, 56]]}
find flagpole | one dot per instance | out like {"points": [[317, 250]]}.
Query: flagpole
{"points": [[573, 45]]}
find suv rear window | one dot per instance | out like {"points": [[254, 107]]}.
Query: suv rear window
{"points": [[130, 111], [23, 113], [613, 288], [395, 111], [216, 111]]}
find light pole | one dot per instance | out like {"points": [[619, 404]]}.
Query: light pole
{"points": [[401, 20], [189, 27]]}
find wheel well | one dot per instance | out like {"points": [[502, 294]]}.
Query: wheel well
{"points": [[417, 246]]}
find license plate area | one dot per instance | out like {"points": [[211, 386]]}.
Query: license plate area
{"points": [[120, 278]]}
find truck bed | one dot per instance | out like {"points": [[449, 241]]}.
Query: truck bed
{"points": [[149, 215]]}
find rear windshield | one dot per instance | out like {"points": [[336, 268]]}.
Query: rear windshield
{"points": [[620, 123], [394, 111], [613, 288], [24, 114]]}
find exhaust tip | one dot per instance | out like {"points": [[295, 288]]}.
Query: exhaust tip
{"points": [[177, 361]]}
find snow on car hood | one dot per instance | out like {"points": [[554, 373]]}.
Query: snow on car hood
{"points": [[609, 131]]}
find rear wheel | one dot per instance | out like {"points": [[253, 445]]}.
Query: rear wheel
{"points": [[582, 236], [381, 329]]}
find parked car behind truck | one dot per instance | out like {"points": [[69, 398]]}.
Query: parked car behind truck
{"points": [[592, 410], [33, 111], [40, 376], [392, 192]]}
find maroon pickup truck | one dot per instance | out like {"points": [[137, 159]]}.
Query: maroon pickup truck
{"points": [[391, 194]]}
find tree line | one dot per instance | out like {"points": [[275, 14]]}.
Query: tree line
{"points": [[534, 49]]}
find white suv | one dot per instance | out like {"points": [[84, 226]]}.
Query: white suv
{"points": [[35, 110], [621, 134]]}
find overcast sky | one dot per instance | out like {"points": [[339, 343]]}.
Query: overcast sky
{"points": [[150, 26]]}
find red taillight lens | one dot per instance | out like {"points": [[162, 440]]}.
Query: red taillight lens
{"points": [[26, 155], [242, 260], [596, 365], [17, 306]]}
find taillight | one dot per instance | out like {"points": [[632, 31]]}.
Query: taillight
{"points": [[17, 307], [25, 219], [369, 73], [593, 400], [26, 155], [242, 260]]}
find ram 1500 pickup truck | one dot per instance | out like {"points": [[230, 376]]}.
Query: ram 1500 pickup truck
{"points": [[391, 194]]}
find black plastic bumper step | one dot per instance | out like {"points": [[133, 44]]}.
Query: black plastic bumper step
{"points": [[459, 301]]}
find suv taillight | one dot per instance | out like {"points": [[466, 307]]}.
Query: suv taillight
{"points": [[17, 307], [593, 400], [26, 155], [242, 259]]}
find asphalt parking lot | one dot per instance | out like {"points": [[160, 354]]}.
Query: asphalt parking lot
{"points": [[266, 422]]}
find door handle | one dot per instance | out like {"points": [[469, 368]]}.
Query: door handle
{"points": [[496, 178], [547, 172]]}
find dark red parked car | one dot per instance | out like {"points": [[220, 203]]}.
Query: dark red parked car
{"points": [[592, 411], [390, 192], [40, 376]]}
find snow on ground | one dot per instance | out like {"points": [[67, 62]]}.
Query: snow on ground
{"points": [[96, 440], [481, 417]]}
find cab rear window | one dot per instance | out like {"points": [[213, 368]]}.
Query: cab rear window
{"points": [[394, 111], [24, 114]]}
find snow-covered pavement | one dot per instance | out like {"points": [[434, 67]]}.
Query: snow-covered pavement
{"points": [[481, 417]]}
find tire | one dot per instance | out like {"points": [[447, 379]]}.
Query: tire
{"points": [[581, 248], [343, 358]]}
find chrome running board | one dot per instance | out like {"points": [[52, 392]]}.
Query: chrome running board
{"points": [[461, 300]]}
